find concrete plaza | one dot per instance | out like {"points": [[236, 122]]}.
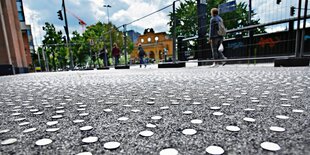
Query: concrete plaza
{"points": [[237, 109]]}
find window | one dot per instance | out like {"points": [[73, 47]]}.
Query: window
{"points": [[21, 16], [149, 39], [19, 6], [156, 38], [29, 32]]}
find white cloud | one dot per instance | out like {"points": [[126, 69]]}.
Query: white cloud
{"points": [[76, 2], [140, 8], [33, 18], [97, 9]]}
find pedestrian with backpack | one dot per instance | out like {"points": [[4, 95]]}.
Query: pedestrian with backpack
{"points": [[141, 55], [216, 35]]}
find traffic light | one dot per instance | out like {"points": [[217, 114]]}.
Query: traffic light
{"points": [[292, 12], [278, 1], [60, 15]]}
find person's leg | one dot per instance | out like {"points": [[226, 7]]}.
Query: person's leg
{"points": [[145, 62], [220, 53], [141, 61], [117, 60], [214, 47], [105, 60]]}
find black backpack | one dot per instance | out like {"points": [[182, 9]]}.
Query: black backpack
{"points": [[141, 52]]}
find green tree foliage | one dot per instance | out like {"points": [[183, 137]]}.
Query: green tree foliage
{"points": [[85, 47], [50, 42], [187, 19], [79, 50]]}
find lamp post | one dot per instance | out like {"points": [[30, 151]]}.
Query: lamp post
{"points": [[156, 40], [109, 6], [174, 34]]}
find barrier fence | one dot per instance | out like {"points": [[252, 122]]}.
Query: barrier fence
{"points": [[257, 30], [256, 40]]}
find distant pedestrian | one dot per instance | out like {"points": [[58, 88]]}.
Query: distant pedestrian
{"points": [[217, 31], [141, 55], [116, 52], [103, 56]]}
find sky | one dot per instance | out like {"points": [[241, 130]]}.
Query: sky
{"points": [[37, 12]]}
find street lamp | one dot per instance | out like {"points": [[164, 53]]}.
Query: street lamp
{"points": [[156, 40], [109, 6]]}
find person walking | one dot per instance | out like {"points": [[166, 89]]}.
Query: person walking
{"points": [[141, 55], [116, 52], [216, 33]]}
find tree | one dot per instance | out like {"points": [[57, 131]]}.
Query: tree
{"points": [[99, 35], [187, 19], [80, 51], [51, 40], [85, 47], [93, 40]]}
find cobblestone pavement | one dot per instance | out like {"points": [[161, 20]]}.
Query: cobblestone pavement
{"points": [[199, 110]]}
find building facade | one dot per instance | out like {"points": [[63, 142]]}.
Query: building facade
{"points": [[155, 45], [26, 33], [12, 49]]}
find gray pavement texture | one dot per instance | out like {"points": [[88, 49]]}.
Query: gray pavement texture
{"points": [[263, 93]]}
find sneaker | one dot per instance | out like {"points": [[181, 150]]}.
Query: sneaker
{"points": [[213, 65]]}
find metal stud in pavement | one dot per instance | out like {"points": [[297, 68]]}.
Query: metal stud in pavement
{"points": [[111, 145], [86, 128], [84, 153], [196, 121], [29, 130], [90, 139], [52, 129], [123, 118], [248, 119], [146, 133], [156, 117], [8, 141], [43, 142], [189, 131], [277, 129], [215, 150], [270, 146], [169, 151], [232, 128]]}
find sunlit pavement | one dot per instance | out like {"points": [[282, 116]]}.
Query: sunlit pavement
{"points": [[235, 109]]}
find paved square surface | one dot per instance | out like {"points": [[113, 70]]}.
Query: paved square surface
{"points": [[198, 110]]}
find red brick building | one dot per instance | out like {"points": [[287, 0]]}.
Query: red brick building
{"points": [[154, 45], [13, 58]]}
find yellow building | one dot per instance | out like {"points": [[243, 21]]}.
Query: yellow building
{"points": [[154, 45]]}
